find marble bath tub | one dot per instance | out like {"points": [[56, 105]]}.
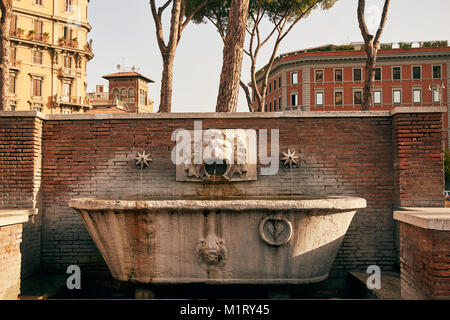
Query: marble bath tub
{"points": [[241, 240]]}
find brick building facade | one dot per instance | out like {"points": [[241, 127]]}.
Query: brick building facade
{"points": [[332, 79], [130, 89]]}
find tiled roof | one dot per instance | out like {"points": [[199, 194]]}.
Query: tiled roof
{"points": [[127, 75]]}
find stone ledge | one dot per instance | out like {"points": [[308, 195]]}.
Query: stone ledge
{"points": [[234, 115], [390, 284], [15, 216], [426, 218]]}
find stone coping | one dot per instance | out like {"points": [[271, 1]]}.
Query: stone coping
{"points": [[15, 216], [267, 203], [426, 218], [233, 115]]}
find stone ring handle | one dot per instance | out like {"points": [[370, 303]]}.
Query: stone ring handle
{"points": [[275, 232]]}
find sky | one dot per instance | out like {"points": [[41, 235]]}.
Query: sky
{"points": [[123, 32]]}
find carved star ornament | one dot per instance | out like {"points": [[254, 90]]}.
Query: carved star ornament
{"points": [[143, 160], [290, 159]]}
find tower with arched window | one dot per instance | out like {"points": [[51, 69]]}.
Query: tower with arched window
{"points": [[130, 89]]}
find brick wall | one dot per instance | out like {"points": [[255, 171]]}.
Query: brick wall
{"points": [[20, 179], [95, 158], [425, 263], [418, 159], [92, 156], [10, 261]]}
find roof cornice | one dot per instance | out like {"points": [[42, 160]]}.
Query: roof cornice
{"points": [[287, 62]]}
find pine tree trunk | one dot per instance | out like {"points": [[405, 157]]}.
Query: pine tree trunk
{"points": [[166, 84], [367, 99], [5, 53], [232, 57]]}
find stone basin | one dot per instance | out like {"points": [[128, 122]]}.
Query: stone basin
{"points": [[251, 240]]}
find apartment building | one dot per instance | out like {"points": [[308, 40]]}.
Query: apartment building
{"points": [[331, 78], [49, 55]]}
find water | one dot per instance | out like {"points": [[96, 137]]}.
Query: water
{"points": [[141, 193], [292, 191], [107, 288], [214, 182]]}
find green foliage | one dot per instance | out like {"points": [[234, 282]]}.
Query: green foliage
{"points": [[345, 48], [405, 45], [386, 46], [447, 169], [435, 44], [292, 8], [217, 10]]}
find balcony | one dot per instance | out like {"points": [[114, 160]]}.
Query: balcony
{"points": [[71, 43], [30, 35], [68, 72], [15, 64], [72, 101], [18, 33]]}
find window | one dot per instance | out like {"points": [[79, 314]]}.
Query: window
{"points": [[338, 75], [417, 73], [357, 74], [275, 105], [67, 62], [279, 103], [12, 83], [275, 85], [14, 24], [67, 89], [37, 87], [294, 78], [338, 98], [436, 96], [38, 29], [279, 83], [319, 99], [270, 87], [68, 5], [265, 108], [13, 55], [123, 95], [319, 76], [37, 57], [294, 99], [397, 95], [270, 106], [115, 95], [68, 33], [377, 97], [357, 97], [131, 95], [396, 73], [377, 74], [417, 96], [436, 72]]}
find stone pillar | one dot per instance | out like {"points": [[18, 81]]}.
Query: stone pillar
{"points": [[20, 176], [10, 253], [418, 158], [425, 253]]}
